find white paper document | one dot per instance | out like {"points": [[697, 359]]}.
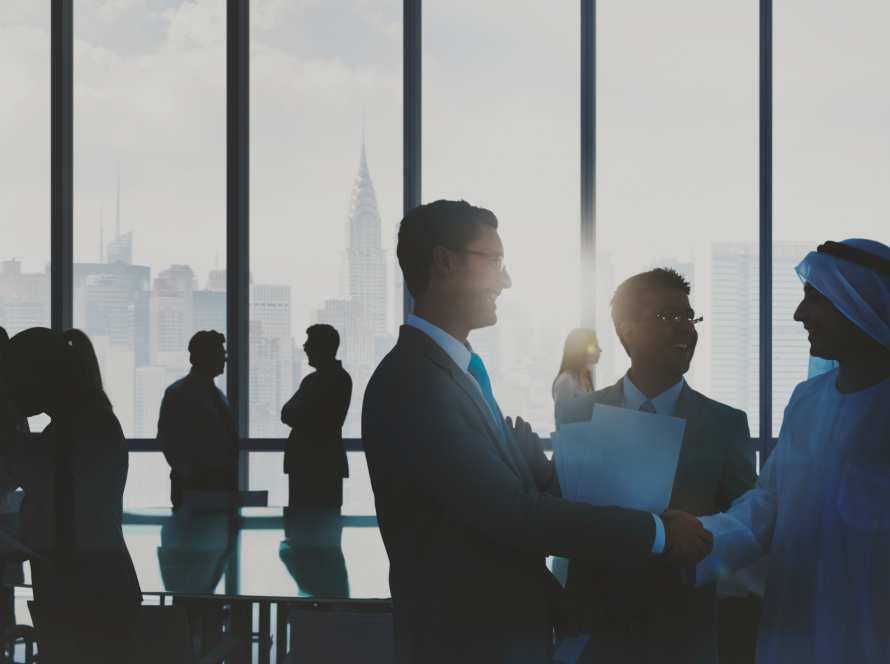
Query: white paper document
{"points": [[621, 457], [571, 648]]}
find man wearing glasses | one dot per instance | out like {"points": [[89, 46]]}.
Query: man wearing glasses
{"points": [[466, 520], [652, 617]]}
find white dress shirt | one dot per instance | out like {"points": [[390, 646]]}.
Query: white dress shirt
{"points": [[665, 403]]}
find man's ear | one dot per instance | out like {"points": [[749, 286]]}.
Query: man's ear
{"points": [[627, 332], [442, 263]]}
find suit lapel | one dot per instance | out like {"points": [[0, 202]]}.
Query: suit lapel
{"points": [[689, 409], [431, 349], [463, 382]]}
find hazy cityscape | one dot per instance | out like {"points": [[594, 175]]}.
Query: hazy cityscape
{"points": [[140, 325]]}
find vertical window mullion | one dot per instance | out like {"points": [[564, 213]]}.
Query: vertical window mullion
{"points": [[237, 217], [411, 119], [62, 165], [766, 228], [588, 164]]}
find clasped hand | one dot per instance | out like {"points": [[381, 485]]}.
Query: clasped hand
{"points": [[532, 451], [686, 542]]}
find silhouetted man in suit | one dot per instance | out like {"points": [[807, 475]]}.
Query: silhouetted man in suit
{"points": [[315, 459], [196, 430], [654, 617], [466, 520]]}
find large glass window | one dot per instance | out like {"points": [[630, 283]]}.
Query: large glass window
{"points": [[149, 199], [326, 196], [501, 130], [25, 168], [831, 152], [677, 166]]}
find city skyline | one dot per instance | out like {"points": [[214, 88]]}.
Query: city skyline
{"points": [[676, 150]]}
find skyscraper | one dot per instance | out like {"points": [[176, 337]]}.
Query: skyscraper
{"points": [[24, 298], [271, 362], [363, 263], [730, 337], [361, 312], [120, 249]]}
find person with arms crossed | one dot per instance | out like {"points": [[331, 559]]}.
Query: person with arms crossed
{"points": [[821, 506], [465, 518], [653, 617], [196, 430], [314, 458]]}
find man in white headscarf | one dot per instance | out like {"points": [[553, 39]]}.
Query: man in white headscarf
{"points": [[821, 506]]}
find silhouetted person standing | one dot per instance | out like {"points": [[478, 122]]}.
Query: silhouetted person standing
{"points": [[315, 459], [10, 416], [196, 430], [86, 591], [11, 419]]}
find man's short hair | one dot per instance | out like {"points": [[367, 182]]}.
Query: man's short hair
{"points": [[451, 224], [206, 340], [630, 298], [4, 338], [326, 336]]}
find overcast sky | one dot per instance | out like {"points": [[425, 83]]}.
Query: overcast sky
{"points": [[677, 129]]}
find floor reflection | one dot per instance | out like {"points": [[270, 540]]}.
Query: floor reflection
{"points": [[312, 551], [196, 547]]}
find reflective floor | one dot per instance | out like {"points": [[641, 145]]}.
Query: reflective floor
{"points": [[257, 552]]}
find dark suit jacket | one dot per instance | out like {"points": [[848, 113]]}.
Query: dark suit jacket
{"points": [[316, 414], [464, 526], [715, 467]]}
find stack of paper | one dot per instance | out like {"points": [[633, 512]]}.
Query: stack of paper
{"points": [[621, 457]]}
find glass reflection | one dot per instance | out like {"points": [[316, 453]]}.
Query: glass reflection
{"points": [[312, 551], [196, 547]]}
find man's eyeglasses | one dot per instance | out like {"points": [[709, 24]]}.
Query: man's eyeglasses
{"points": [[671, 318], [497, 258]]}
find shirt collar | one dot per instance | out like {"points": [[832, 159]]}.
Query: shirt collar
{"points": [[665, 403], [457, 351]]}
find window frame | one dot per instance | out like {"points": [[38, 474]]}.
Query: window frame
{"points": [[238, 192]]}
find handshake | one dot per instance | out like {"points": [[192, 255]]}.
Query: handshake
{"points": [[686, 542]]}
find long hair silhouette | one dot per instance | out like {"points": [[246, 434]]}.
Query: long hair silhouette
{"points": [[67, 357], [579, 344]]}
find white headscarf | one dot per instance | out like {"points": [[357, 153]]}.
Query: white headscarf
{"points": [[860, 291]]}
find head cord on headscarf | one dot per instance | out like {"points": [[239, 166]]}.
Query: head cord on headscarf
{"points": [[853, 275]]}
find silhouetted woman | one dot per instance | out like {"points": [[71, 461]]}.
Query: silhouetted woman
{"points": [[574, 378], [86, 592]]}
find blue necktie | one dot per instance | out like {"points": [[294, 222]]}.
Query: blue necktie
{"points": [[647, 407], [477, 370]]}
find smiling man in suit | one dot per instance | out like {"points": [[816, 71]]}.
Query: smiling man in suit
{"points": [[466, 521], [653, 617]]}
